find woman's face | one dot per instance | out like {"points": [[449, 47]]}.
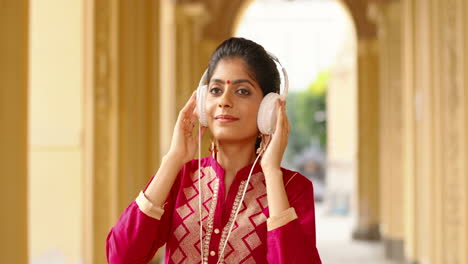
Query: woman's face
{"points": [[232, 102]]}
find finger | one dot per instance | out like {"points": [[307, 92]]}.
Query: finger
{"points": [[286, 124], [195, 113], [192, 102], [190, 105], [265, 142], [280, 116]]}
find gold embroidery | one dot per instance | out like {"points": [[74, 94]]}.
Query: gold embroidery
{"points": [[229, 223], [244, 237], [187, 233], [209, 229]]}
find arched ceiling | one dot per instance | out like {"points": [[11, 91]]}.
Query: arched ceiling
{"points": [[223, 15], [359, 12]]}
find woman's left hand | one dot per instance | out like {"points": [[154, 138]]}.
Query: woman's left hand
{"points": [[271, 159]]}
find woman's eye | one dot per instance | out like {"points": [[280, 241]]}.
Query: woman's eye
{"points": [[243, 91], [215, 90]]}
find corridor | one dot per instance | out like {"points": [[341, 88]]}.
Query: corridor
{"points": [[336, 246]]}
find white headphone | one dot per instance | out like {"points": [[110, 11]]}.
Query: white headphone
{"points": [[266, 118]]}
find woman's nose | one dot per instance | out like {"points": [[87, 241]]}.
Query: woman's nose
{"points": [[225, 100]]}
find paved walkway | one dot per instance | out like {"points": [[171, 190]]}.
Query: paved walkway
{"points": [[336, 246]]}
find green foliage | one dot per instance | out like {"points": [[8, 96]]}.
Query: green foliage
{"points": [[307, 114]]}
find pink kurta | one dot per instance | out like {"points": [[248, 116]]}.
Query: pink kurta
{"points": [[287, 238]]}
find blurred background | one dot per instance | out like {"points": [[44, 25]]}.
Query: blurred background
{"points": [[90, 91]]}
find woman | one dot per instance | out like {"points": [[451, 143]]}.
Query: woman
{"points": [[250, 213]]}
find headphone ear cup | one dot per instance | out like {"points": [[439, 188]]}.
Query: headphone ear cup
{"points": [[201, 98], [266, 118]]}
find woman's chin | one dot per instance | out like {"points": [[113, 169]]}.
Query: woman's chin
{"points": [[233, 136]]}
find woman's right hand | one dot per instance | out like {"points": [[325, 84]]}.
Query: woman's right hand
{"points": [[184, 143]]}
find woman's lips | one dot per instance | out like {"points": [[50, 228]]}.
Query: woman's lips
{"points": [[226, 118]]}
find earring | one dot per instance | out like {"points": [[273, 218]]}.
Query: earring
{"points": [[260, 148], [213, 148]]}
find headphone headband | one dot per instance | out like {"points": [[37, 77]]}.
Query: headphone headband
{"points": [[285, 81]]}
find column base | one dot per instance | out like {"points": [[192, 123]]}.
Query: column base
{"points": [[394, 249], [369, 233]]}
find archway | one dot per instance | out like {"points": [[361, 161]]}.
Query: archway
{"points": [[367, 185]]}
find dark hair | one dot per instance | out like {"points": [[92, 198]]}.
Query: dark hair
{"points": [[261, 66]]}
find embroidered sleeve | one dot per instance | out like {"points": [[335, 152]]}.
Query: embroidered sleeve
{"points": [[291, 235], [283, 218], [148, 208]]}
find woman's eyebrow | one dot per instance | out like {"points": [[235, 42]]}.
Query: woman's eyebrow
{"points": [[217, 81], [233, 82], [241, 81]]}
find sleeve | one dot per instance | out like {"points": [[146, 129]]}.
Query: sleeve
{"points": [[140, 231], [291, 235]]}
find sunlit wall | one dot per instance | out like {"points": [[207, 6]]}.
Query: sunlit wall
{"points": [[55, 147]]}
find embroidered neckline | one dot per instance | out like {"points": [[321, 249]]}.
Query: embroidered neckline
{"points": [[209, 229], [235, 205]]}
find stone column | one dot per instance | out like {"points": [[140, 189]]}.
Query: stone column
{"points": [[435, 110], [192, 54], [409, 152], [388, 18], [368, 182], [368, 140], [138, 97], [190, 62], [101, 129], [121, 135], [464, 9], [451, 37], [464, 244], [14, 32], [167, 82], [419, 131]]}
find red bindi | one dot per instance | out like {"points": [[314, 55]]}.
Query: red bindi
{"points": [[228, 82]]}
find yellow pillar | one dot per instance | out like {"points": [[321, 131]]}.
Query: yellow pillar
{"points": [[183, 60], [465, 133], [418, 132], [409, 151], [190, 60], [138, 71], [13, 135], [100, 126], [388, 17], [121, 135], [368, 140], [181, 35], [450, 35], [435, 110], [167, 94]]}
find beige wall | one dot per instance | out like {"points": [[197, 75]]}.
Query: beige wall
{"points": [[55, 131]]}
